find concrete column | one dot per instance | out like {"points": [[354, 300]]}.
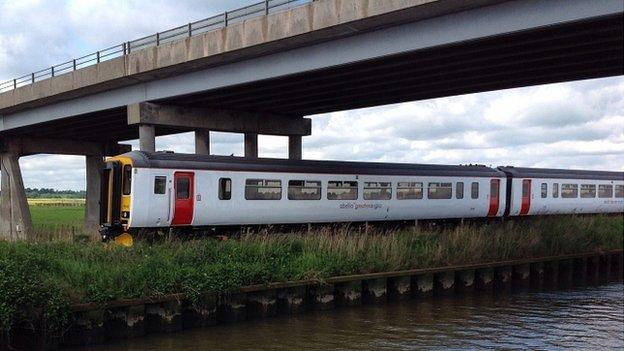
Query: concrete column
{"points": [[537, 276], [484, 279], [94, 164], [593, 270], [521, 276], [16, 223], [349, 293], [551, 274], [502, 278], [423, 285], [200, 313], [566, 273], [232, 308], [125, 322], [291, 300], [251, 145], [580, 271], [320, 297], [444, 283], [88, 328], [147, 137], [294, 147], [375, 291], [202, 142], [400, 288], [261, 304], [465, 280], [165, 317]]}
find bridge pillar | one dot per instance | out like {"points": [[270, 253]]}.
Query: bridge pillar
{"points": [[294, 147], [147, 137], [202, 142], [251, 145], [15, 220], [94, 165]]}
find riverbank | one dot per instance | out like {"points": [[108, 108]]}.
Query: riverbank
{"points": [[41, 280]]}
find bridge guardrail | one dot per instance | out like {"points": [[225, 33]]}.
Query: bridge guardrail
{"points": [[191, 29]]}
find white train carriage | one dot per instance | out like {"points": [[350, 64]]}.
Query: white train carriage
{"points": [[157, 190], [534, 191]]}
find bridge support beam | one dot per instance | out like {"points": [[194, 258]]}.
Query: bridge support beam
{"points": [[147, 138], [295, 147], [251, 145], [202, 142], [200, 119], [16, 223]]}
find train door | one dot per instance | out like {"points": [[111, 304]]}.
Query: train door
{"points": [[183, 203], [494, 197], [526, 197]]}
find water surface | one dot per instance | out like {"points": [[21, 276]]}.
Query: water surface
{"points": [[581, 318]]}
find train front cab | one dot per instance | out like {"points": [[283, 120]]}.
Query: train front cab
{"points": [[115, 197]]}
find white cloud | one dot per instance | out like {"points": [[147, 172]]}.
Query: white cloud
{"points": [[570, 125]]}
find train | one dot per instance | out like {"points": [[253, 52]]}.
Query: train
{"points": [[164, 190]]}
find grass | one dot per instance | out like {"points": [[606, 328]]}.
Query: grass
{"points": [[57, 222], [48, 276], [54, 216]]}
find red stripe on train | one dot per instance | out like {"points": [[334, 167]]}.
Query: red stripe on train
{"points": [[494, 197], [526, 197]]}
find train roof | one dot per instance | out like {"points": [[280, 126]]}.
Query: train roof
{"points": [[522, 172], [169, 160]]}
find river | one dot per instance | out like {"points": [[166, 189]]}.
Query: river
{"points": [[580, 318]]}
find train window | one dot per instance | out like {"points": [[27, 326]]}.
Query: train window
{"points": [[183, 188], [440, 191], [263, 189], [474, 190], [605, 190], [555, 190], [225, 189], [459, 190], [304, 190], [377, 191], [338, 190], [409, 190], [526, 188], [544, 190], [494, 184], [619, 191], [569, 191], [127, 180], [588, 190], [160, 184]]}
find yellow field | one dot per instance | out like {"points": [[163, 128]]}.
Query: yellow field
{"points": [[56, 202]]}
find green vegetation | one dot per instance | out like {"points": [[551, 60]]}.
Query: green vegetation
{"points": [[53, 222], [48, 276], [55, 216]]}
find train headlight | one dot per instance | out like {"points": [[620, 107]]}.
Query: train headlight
{"points": [[125, 214]]}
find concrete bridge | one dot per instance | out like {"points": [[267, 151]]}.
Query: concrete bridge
{"points": [[264, 74]]}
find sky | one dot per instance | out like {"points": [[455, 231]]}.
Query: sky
{"points": [[567, 125]]}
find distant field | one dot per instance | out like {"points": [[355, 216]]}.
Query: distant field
{"points": [[56, 202]]}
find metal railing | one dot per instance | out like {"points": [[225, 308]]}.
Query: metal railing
{"points": [[188, 30]]}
